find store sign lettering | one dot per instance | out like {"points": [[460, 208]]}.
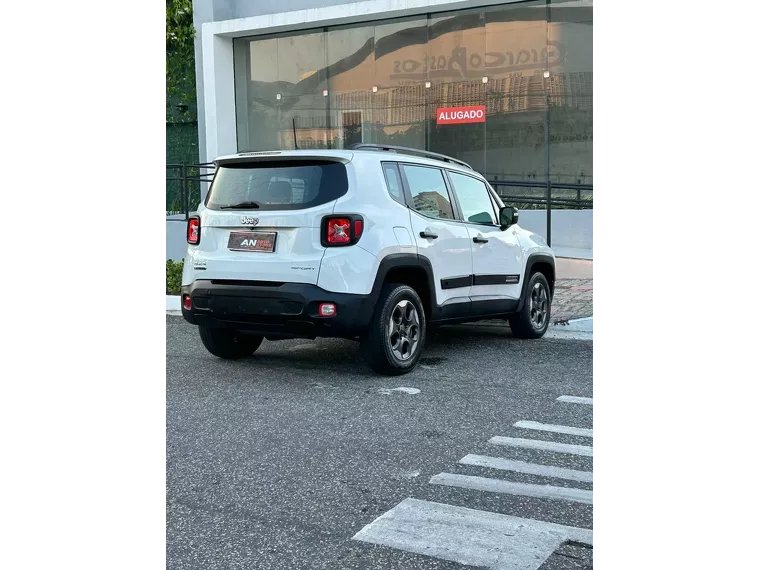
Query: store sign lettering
{"points": [[458, 115], [461, 63]]}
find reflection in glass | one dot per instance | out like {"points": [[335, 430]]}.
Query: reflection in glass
{"points": [[367, 83], [393, 179], [473, 198], [256, 75], [350, 67], [400, 73], [571, 93], [516, 106], [428, 191], [302, 80], [457, 62]]}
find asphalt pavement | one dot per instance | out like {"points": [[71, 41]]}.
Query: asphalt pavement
{"points": [[301, 457]]}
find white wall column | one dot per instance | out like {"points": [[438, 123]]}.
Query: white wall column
{"points": [[219, 84]]}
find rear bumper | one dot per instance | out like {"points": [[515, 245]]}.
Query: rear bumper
{"points": [[284, 310]]}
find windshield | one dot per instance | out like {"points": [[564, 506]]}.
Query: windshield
{"points": [[283, 185]]}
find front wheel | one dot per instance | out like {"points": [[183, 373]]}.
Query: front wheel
{"points": [[397, 332], [228, 343], [532, 321]]}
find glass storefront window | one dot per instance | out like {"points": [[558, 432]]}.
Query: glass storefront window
{"points": [[350, 67], [303, 117], [256, 77], [515, 146], [400, 74], [571, 93], [457, 66], [384, 82]]}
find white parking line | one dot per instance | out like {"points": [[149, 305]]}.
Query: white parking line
{"points": [[469, 536], [513, 488], [585, 432], [575, 400], [529, 468], [542, 445]]}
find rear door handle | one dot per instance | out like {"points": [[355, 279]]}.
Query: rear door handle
{"points": [[428, 235], [479, 239]]}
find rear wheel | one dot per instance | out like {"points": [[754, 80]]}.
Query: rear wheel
{"points": [[397, 332], [532, 321], [229, 343]]}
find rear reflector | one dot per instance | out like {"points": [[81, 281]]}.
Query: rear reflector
{"points": [[193, 231], [327, 310], [187, 302]]}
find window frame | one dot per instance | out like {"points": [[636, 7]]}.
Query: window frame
{"points": [[403, 201]]}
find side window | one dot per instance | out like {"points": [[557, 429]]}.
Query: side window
{"points": [[393, 179], [474, 199], [428, 192]]}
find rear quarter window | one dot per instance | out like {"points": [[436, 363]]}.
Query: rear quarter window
{"points": [[282, 185]]}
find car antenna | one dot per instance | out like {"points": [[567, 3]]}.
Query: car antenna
{"points": [[295, 138]]}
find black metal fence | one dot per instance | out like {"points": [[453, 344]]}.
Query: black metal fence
{"points": [[546, 196], [183, 190]]}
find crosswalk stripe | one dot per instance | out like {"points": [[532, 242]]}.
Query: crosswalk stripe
{"points": [[575, 400], [529, 468], [513, 488], [585, 432], [469, 536], [542, 445]]}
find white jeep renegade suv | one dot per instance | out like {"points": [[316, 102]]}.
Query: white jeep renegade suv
{"points": [[374, 243]]}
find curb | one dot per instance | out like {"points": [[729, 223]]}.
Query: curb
{"points": [[173, 305], [573, 329]]}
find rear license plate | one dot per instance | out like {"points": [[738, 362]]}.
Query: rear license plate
{"points": [[252, 241]]}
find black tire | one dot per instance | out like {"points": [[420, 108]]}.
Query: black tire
{"points": [[527, 323], [229, 343], [377, 345]]}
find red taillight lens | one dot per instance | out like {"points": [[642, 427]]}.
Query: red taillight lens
{"points": [[193, 231], [338, 231], [187, 302], [358, 227]]}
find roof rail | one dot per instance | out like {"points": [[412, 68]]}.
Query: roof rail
{"points": [[408, 150]]}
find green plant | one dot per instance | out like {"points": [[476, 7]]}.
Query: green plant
{"points": [[173, 276], [180, 60]]}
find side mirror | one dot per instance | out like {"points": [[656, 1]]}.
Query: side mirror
{"points": [[509, 216]]}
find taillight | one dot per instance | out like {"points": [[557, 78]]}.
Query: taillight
{"points": [[341, 230], [193, 231]]}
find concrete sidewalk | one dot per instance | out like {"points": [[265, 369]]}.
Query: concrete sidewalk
{"points": [[573, 296]]}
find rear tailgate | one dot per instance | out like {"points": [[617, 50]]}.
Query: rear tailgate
{"points": [[262, 219]]}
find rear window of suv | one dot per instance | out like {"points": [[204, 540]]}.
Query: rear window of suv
{"points": [[282, 185]]}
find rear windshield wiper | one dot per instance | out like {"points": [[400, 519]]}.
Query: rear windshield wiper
{"points": [[240, 206]]}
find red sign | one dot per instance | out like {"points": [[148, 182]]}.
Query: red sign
{"points": [[457, 115]]}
